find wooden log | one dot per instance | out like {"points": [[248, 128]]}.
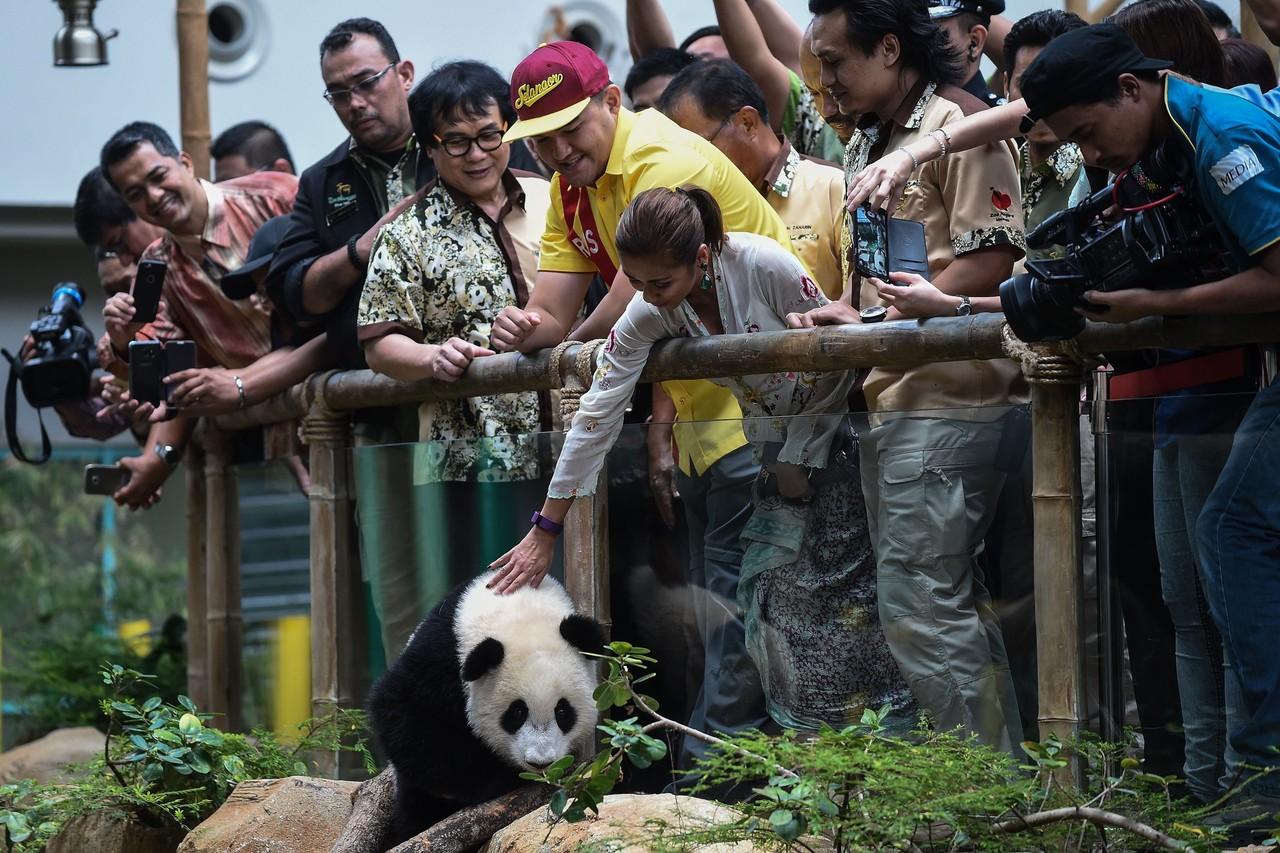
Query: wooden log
{"points": [[370, 815], [470, 827], [900, 344], [193, 82]]}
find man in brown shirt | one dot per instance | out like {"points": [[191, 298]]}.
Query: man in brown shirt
{"points": [[929, 462]]}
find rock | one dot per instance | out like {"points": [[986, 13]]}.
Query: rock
{"points": [[104, 833], [294, 815], [45, 760], [620, 828]]}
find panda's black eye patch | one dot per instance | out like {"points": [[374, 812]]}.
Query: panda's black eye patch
{"points": [[515, 715], [565, 715]]}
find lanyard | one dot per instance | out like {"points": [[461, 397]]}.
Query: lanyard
{"points": [[577, 208]]}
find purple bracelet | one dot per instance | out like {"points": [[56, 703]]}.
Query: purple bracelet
{"points": [[552, 527]]}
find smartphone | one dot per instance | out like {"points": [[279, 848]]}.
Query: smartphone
{"points": [[104, 479], [178, 355], [147, 285], [146, 368], [871, 239], [907, 252]]}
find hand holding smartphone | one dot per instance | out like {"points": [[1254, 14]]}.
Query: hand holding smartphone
{"points": [[884, 244], [147, 285], [104, 479]]}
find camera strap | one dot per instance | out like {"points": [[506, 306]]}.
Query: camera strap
{"points": [[11, 417]]}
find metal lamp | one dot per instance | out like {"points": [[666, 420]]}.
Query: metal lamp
{"points": [[78, 42]]}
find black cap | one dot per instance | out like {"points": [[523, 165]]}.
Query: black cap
{"points": [[239, 283], [940, 9], [1076, 66]]}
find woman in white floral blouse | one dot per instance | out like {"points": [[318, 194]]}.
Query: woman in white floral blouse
{"points": [[808, 578]]}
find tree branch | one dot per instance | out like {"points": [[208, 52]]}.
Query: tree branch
{"points": [[472, 826], [667, 723], [1098, 817]]}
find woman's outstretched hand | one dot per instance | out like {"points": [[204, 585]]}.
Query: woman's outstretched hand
{"points": [[880, 184], [527, 563]]}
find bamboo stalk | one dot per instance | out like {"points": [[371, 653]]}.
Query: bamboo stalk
{"points": [[193, 82], [197, 616], [225, 623]]}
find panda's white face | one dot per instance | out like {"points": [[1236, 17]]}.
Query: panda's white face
{"points": [[534, 711]]}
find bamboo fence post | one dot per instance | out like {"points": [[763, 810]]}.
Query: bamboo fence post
{"points": [[193, 82], [586, 528], [1055, 379], [197, 616], [337, 595], [225, 625]]}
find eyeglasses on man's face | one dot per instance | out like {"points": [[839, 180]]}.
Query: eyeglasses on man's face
{"points": [[342, 97], [457, 145]]}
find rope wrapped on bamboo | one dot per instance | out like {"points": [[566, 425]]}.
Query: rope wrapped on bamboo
{"points": [[322, 425], [1059, 363]]}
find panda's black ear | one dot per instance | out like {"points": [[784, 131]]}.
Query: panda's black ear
{"points": [[583, 633], [483, 659]]}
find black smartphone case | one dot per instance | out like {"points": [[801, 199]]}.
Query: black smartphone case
{"points": [[146, 367], [147, 284]]}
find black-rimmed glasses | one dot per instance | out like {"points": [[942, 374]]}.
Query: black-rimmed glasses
{"points": [[458, 146], [342, 97]]}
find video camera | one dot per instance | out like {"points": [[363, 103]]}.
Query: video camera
{"points": [[1164, 244], [65, 353], [60, 367]]}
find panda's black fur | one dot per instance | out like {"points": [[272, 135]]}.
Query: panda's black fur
{"points": [[419, 713]]}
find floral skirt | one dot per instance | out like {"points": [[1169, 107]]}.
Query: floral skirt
{"points": [[808, 594]]}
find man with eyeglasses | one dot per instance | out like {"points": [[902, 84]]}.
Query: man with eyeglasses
{"points": [[438, 276]]}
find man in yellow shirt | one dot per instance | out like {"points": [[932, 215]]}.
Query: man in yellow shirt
{"points": [[603, 157]]}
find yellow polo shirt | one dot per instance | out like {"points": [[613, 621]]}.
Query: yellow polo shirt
{"points": [[649, 150], [808, 196]]}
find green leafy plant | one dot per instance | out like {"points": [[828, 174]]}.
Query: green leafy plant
{"points": [[164, 766], [866, 787]]}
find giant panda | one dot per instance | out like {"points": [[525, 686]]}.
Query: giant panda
{"points": [[487, 687]]}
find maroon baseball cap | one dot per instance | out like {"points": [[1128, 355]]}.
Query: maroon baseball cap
{"points": [[552, 85]]}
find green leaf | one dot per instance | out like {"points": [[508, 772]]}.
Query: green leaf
{"points": [[198, 763], [151, 704], [139, 741], [185, 702], [558, 802], [166, 736], [152, 773], [558, 767]]}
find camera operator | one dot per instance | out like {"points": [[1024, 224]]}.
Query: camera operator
{"points": [[208, 228], [1093, 87]]}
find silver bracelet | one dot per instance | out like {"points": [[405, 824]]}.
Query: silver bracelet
{"points": [[915, 164], [240, 389], [944, 141]]}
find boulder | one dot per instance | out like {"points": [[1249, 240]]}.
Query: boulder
{"points": [[45, 760], [625, 824], [104, 833], [294, 815]]}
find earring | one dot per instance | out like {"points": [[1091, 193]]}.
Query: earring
{"points": [[706, 278]]}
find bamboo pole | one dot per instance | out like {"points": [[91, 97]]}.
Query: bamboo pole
{"points": [[337, 597], [1055, 493], [193, 82], [225, 625], [901, 344], [197, 617]]}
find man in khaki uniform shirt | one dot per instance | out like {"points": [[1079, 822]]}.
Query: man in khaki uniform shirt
{"points": [[929, 471], [718, 101]]}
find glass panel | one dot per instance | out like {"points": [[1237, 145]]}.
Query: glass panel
{"points": [[275, 592], [84, 582]]}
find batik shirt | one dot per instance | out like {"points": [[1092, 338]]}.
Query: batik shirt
{"points": [[444, 269], [757, 283], [1056, 184]]}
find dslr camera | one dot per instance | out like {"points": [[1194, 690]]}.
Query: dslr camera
{"points": [[1165, 243], [65, 354]]}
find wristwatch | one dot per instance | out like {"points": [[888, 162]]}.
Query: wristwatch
{"points": [[964, 309], [555, 528], [169, 454]]}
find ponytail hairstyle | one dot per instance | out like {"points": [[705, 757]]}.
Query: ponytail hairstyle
{"points": [[675, 223]]}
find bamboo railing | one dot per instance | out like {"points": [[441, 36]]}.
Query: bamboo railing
{"points": [[324, 403]]}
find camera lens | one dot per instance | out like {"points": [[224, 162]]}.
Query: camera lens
{"points": [[1037, 311]]}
